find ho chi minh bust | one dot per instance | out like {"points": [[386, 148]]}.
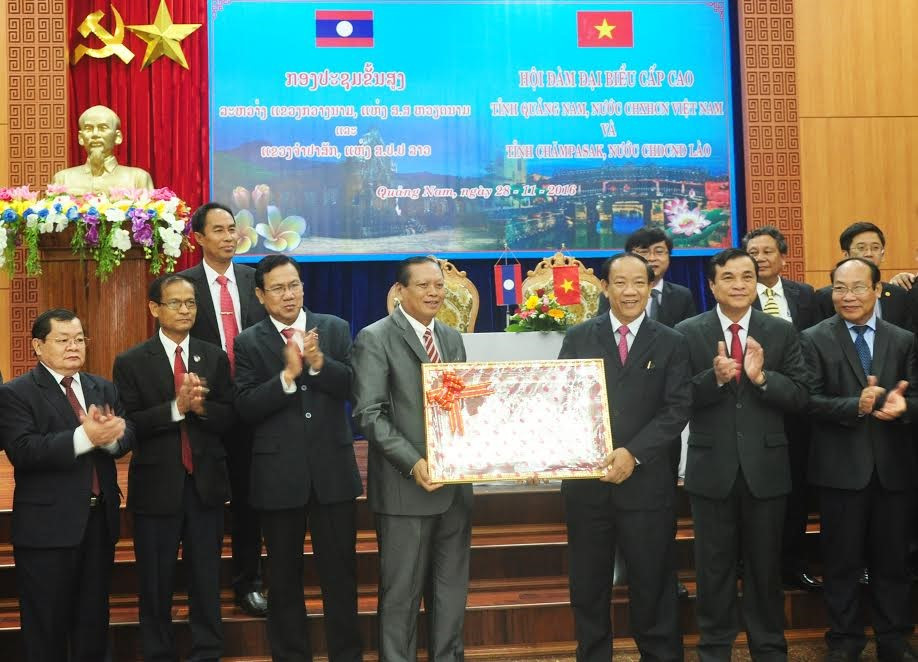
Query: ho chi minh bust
{"points": [[100, 131]]}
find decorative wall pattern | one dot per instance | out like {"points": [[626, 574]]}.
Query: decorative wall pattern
{"points": [[37, 132], [771, 127]]}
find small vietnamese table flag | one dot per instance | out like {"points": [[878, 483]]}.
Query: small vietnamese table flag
{"points": [[566, 281], [508, 284]]}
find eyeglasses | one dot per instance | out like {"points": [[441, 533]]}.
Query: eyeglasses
{"points": [[176, 304], [659, 251], [64, 343], [280, 290], [857, 290]]}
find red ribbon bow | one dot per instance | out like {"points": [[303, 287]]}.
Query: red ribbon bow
{"points": [[451, 393]]}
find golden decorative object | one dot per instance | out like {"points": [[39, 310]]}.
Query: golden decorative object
{"points": [[114, 43], [163, 37], [541, 278]]}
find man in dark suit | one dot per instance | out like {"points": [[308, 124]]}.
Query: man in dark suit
{"points": [[177, 391], [795, 303], [867, 241], [225, 293], [863, 373], [647, 377], [424, 529], [669, 303], [294, 375], [737, 470], [62, 430]]}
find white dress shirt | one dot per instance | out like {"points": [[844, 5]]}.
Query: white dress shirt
{"points": [[421, 329], [659, 288], [81, 442], [231, 285], [169, 346], [869, 334], [726, 322], [633, 327], [780, 298]]}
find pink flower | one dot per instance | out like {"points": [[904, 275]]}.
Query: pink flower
{"points": [[162, 194], [676, 206], [687, 223], [241, 197], [56, 189]]}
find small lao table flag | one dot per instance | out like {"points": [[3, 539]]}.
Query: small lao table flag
{"points": [[508, 284], [566, 282]]}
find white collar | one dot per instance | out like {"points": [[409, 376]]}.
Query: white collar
{"points": [[58, 377], [419, 328], [299, 324], [777, 288], [170, 346], [725, 321], [212, 274], [870, 324], [633, 326]]}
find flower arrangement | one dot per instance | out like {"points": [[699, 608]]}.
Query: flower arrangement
{"points": [[104, 227], [540, 312]]}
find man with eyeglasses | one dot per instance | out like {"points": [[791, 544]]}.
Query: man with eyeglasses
{"points": [[62, 429], [862, 373], [866, 240], [294, 376], [227, 304], [177, 391], [795, 303], [669, 303]]}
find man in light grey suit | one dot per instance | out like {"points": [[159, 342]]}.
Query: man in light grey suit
{"points": [[424, 529]]}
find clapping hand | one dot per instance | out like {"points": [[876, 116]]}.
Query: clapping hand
{"points": [[869, 396], [895, 404], [725, 368], [311, 352], [293, 358], [101, 425], [754, 361]]}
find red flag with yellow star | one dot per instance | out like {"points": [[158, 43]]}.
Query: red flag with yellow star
{"points": [[605, 29], [566, 281]]}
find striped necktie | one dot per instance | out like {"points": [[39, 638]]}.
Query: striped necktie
{"points": [[430, 347], [771, 303]]}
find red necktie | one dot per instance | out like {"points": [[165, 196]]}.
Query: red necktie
{"points": [[288, 332], [623, 343], [432, 353], [78, 410], [228, 320], [736, 350], [179, 374]]}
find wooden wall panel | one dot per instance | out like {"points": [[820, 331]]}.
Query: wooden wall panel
{"points": [[857, 58], [37, 131], [5, 327], [770, 123], [860, 169]]}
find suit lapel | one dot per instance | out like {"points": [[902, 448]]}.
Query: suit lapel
{"points": [[448, 353], [792, 296], [205, 303], [843, 337], [161, 366], [271, 342], [643, 343], [245, 286], [409, 336], [880, 348], [53, 393]]}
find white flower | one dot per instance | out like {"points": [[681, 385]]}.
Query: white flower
{"points": [[121, 240], [32, 220], [2, 246], [168, 217], [171, 206], [46, 226], [115, 215], [172, 242]]}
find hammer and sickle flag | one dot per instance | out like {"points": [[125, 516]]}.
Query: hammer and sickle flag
{"points": [[113, 43]]}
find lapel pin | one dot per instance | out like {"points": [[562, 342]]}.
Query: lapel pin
{"points": [[649, 364], [886, 293], [196, 358]]}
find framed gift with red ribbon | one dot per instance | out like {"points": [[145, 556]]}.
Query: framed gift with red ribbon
{"points": [[516, 420]]}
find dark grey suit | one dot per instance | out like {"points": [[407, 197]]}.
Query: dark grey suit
{"points": [[864, 468], [423, 536], [650, 400], [738, 473]]}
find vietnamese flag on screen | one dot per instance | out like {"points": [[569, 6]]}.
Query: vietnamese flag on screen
{"points": [[344, 28], [605, 29], [566, 284], [508, 284]]}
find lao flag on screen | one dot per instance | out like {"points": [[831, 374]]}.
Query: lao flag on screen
{"points": [[343, 29], [566, 284], [605, 29], [508, 283]]}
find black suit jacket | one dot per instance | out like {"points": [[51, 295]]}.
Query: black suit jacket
{"points": [[250, 309], [156, 479], [649, 402], [676, 305], [51, 499], [302, 441], [801, 302], [845, 448], [895, 305], [740, 425]]}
